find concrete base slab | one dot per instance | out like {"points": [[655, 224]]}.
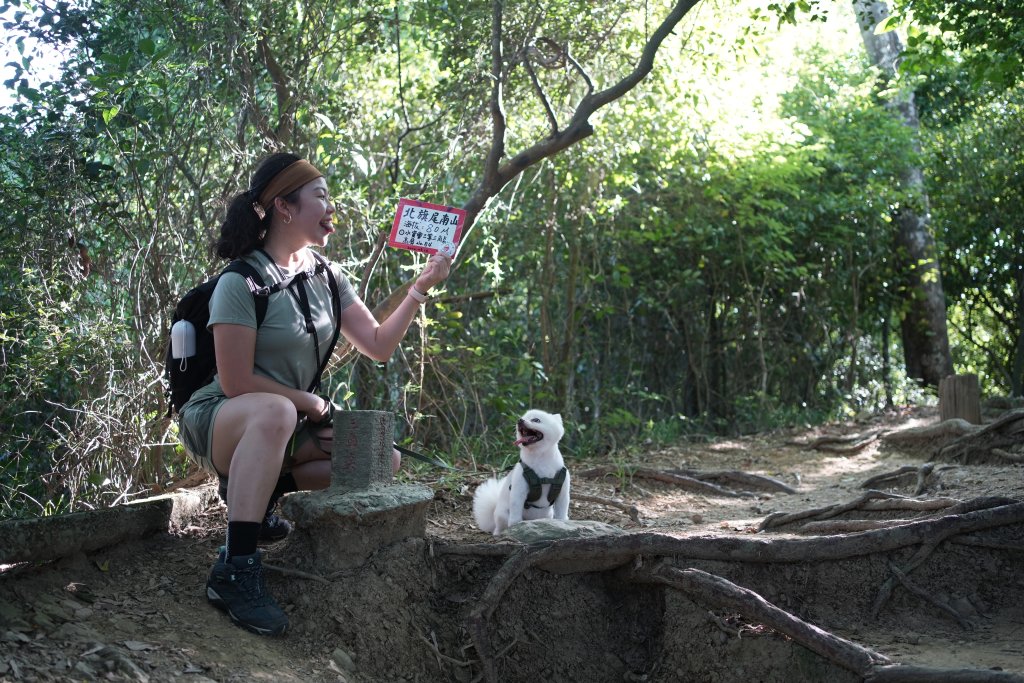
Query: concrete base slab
{"points": [[343, 528], [40, 539]]}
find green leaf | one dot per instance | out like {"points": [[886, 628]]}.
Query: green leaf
{"points": [[109, 114], [327, 123], [147, 47], [890, 23]]}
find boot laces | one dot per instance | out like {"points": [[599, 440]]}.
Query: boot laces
{"points": [[252, 583]]}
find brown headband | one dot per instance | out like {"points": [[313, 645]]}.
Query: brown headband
{"points": [[293, 177]]}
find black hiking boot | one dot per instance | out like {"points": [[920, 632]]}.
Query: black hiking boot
{"points": [[237, 586], [273, 528]]}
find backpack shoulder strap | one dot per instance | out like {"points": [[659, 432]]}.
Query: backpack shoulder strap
{"points": [[322, 264], [256, 285]]}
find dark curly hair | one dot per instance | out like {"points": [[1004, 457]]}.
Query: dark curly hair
{"points": [[242, 230]]}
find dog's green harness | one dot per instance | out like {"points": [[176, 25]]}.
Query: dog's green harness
{"points": [[535, 482]]}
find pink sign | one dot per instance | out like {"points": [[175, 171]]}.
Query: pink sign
{"points": [[426, 227]]}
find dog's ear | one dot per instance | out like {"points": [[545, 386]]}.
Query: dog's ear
{"points": [[558, 418]]}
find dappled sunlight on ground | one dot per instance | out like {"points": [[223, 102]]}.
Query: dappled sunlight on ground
{"points": [[838, 466]]}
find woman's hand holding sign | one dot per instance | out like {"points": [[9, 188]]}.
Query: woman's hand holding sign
{"points": [[435, 272]]}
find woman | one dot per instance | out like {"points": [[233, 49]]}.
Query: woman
{"points": [[255, 424]]}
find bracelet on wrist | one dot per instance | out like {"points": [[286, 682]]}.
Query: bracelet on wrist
{"points": [[417, 294]]}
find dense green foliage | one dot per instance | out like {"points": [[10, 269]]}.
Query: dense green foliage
{"points": [[680, 272], [977, 172], [986, 36]]}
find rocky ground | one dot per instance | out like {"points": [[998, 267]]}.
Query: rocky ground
{"points": [[137, 612]]}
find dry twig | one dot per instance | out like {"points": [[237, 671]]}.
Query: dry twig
{"points": [[630, 510]]}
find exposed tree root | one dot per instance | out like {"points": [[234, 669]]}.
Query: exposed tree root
{"points": [[620, 550], [976, 506], [474, 549], [978, 542], [723, 625], [754, 481], [911, 504], [432, 644], [630, 510], [843, 445], [1014, 458], [995, 443], [983, 503], [924, 441], [897, 673], [874, 501], [845, 526], [778, 519], [898, 475], [477, 621], [930, 598], [923, 475], [710, 590], [682, 481], [946, 429]]}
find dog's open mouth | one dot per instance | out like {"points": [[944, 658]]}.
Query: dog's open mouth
{"points": [[527, 436]]}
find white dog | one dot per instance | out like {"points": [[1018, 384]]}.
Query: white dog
{"points": [[526, 492]]}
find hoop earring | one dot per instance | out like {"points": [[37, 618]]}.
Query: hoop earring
{"points": [[286, 222]]}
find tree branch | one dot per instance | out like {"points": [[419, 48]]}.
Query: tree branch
{"points": [[248, 81], [591, 104], [498, 122], [579, 127], [497, 174], [579, 68], [541, 95], [285, 124]]}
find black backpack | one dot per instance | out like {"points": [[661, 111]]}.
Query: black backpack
{"points": [[183, 376]]}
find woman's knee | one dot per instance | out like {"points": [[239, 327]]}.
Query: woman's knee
{"points": [[266, 420], [271, 417]]}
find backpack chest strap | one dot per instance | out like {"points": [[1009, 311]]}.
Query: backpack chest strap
{"points": [[535, 483]]}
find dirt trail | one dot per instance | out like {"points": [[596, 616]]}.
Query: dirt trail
{"points": [[137, 612]]}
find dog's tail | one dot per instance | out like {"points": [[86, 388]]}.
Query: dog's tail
{"points": [[485, 500]]}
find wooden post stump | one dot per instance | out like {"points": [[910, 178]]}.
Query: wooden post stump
{"points": [[363, 509], [960, 397], [361, 455]]}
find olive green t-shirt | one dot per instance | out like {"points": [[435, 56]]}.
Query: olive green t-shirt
{"points": [[284, 349]]}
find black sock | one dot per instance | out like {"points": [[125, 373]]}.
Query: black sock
{"points": [[242, 538], [285, 484]]}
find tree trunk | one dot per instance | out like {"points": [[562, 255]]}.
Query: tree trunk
{"points": [[886, 362], [1017, 372], [925, 338], [960, 397]]}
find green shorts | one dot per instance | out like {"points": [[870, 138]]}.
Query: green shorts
{"points": [[195, 429]]}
